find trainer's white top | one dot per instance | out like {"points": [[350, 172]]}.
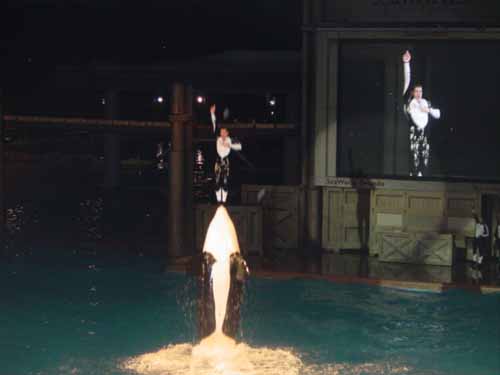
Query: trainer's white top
{"points": [[224, 147], [418, 115], [416, 107], [482, 230]]}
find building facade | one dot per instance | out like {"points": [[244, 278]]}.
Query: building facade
{"points": [[356, 146]]}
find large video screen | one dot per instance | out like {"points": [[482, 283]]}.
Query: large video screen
{"points": [[420, 109]]}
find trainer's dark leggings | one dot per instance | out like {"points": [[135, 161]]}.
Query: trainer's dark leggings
{"points": [[221, 173], [480, 246]]}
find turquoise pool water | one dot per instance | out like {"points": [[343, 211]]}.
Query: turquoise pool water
{"points": [[80, 313]]}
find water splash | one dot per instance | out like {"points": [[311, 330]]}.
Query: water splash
{"points": [[241, 359], [219, 354], [206, 359]]}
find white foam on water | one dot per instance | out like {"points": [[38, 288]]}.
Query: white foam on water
{"points": [[215, 358], [230, 358]]}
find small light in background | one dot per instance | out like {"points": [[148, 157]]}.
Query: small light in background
{"points": [[103, 101], [159, 99], [272, 102], [200, 99], [272, 113], [225, 114]]}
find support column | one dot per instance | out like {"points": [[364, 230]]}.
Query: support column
{"points": [[176, 182], [313, 219], [3, 181], [112, 145], [188, 180], [307, 111], [311, 116]]}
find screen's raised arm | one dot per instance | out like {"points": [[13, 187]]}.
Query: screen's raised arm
{"points": [[407, 71], [214, 120]]}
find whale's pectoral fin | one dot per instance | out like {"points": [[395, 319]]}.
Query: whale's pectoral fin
{"points": [[239, 268], [201, 264], [239, 273], [207, 263], [206, 304]]}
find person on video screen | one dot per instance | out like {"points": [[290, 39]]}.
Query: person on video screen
{"points": [[418, 111]]}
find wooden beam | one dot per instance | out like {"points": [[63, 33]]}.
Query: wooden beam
{"points": [[100, 122]]}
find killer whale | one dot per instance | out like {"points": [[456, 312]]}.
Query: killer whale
{"points": [[222, 272]]}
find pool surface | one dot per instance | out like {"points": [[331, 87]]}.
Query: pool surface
{"points": [[71, 312]]}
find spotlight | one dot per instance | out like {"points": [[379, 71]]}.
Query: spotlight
{"points": [[159, 99], [200, 99], [272, 102]]}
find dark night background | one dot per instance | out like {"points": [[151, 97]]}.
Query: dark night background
{"points": [[42, 38], [36, 35], [55, 176]]}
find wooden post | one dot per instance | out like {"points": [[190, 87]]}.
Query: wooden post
{"points": [[189, 165], [176, 193]]}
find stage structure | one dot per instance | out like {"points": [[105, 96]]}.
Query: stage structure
{"points": [[358, 192]]}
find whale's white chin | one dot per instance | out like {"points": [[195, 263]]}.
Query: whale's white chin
{"points": [[221, 239]]}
